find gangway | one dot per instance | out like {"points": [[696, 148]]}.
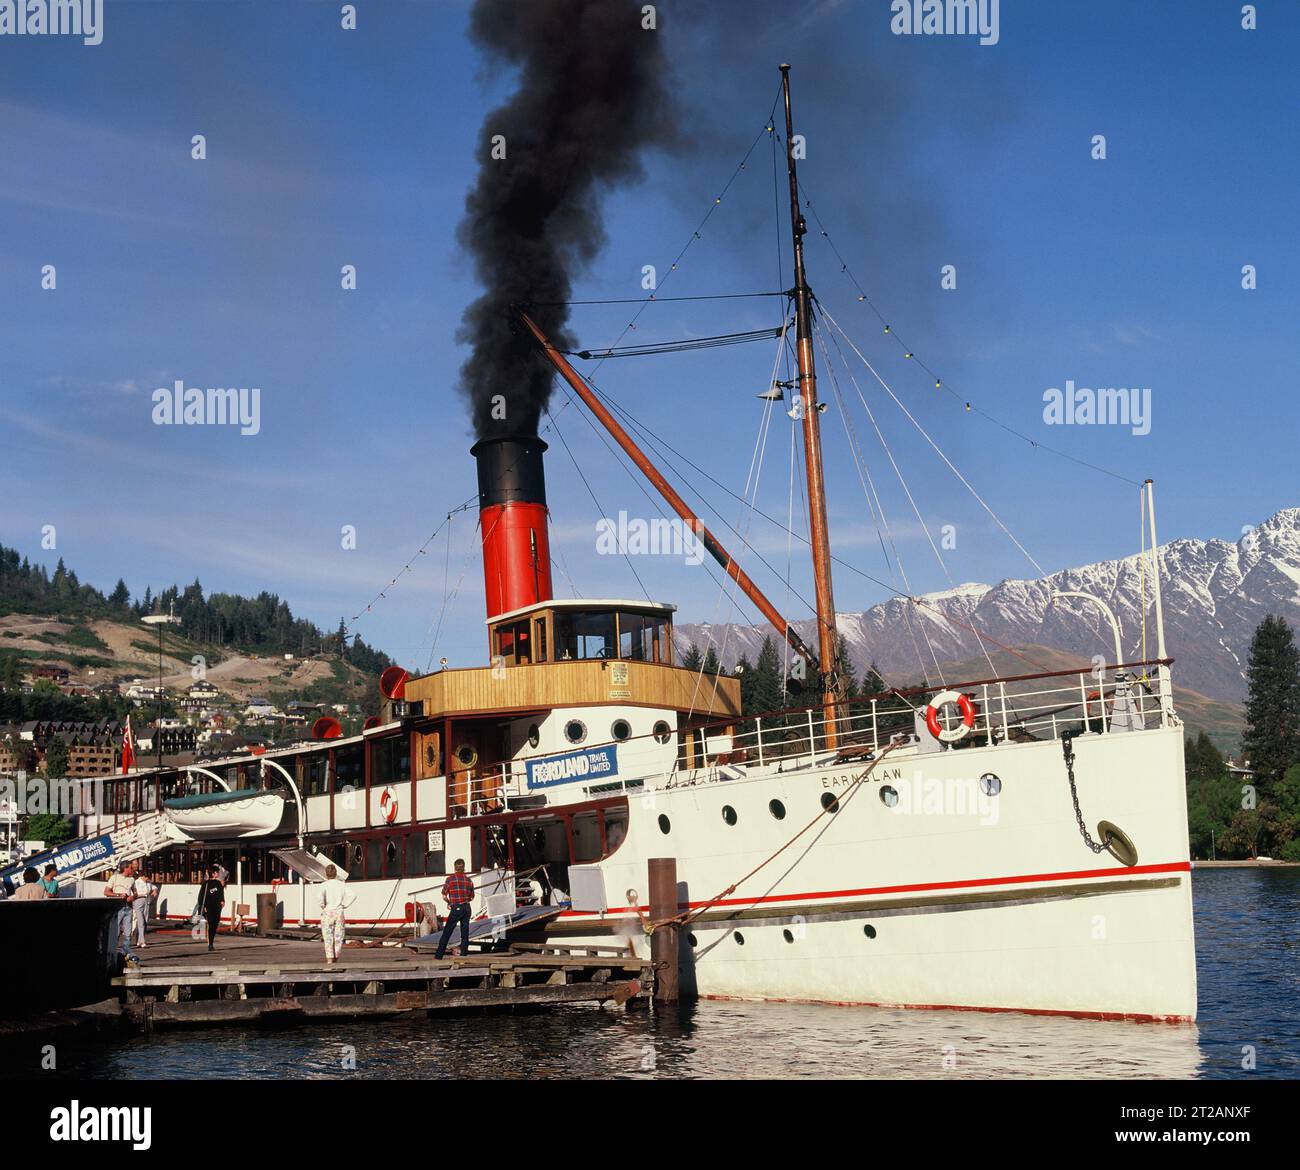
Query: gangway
{"points": [[83, 856]]}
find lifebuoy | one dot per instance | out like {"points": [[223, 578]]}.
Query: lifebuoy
{"points": [[945, 699], [388, 805]]}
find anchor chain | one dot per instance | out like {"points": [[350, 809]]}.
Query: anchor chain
{"points": [[1067, 746]]}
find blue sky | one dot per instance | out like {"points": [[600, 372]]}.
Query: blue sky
{"points": [[329, 147]]}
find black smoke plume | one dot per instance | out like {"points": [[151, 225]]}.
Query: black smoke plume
{"points": [[592, 93]]}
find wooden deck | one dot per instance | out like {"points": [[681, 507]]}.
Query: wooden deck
{"points": [[180, 982]]}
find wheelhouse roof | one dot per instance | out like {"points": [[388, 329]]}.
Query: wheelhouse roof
{"points": [[586, 604]]}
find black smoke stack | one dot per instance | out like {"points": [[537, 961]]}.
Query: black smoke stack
{"points": [[591, 95]]}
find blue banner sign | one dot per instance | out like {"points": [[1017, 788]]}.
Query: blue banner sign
{"points": [[78, 853], [596, 763], [66, 857]]}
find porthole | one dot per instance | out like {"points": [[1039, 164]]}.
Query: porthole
{"points": [[990, 784], [889, 796], [664, 824], [740, 938], [621, 730], [357, 854], [662, 732], [575, 731], [788, 935], [777, 809], [729, 814], [830, 803], [690, 938], [534, 735], [869, 930], [390, 851]]}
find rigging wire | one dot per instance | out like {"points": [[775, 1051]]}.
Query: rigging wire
{"points": [[654, 298], [907, 491], [657, 347], [756, 460], [925, 435], [877, 509], [940, 383], [697, 234], [600, 511]]}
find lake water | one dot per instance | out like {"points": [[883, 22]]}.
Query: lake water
{"points": [[1248, 967]]}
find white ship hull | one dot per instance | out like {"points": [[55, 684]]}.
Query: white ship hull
{"points": [[1001, 909]]}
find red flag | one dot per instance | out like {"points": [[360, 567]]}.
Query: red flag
{"points": [[128, 748]]}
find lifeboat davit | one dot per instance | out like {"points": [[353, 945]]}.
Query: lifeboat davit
{"points": [[246, 812]]}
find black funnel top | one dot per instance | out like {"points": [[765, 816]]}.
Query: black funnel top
{"points": [[510, 470]]}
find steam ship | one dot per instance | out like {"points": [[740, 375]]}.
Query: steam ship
{"points": [[996, 844]]}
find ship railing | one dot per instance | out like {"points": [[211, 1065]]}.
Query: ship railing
{"points": [[1104, 700], [492, 789]]}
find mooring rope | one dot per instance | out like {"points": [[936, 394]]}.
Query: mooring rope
{"points": [[689, 916]]}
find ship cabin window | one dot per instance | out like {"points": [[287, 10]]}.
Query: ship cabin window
{"points": [[349, 767], [315, 774], [390, 759]]}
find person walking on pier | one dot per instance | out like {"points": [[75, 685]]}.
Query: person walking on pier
{"points": [[458, 891], [335, 898], [212, 897]]}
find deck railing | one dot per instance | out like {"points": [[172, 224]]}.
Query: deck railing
{"points": [[1106, 700]]}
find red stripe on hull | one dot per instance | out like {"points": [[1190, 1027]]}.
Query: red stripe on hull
{"points": [[1071, 875], [1131, 1017]]}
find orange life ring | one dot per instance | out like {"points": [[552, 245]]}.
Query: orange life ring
{"points": [[388, 805], [964, 706]]}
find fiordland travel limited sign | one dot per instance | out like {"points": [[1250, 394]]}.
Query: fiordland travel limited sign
{"points": [[595, 763], [64, 858]]}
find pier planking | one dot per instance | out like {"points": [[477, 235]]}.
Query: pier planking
{"points": [[248, 979]]}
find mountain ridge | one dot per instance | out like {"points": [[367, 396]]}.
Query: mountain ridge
{"points": [[1214, 594]]}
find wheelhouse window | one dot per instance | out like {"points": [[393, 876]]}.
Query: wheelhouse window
{"points": [[586, 635], [514, 644]]}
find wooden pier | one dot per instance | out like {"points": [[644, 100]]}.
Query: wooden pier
{"points": [[247, 979]]}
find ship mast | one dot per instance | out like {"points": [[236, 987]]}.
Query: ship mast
{"points": [[818, 529]]}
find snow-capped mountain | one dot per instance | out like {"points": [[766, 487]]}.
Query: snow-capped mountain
{"points": [[1214, 593]]}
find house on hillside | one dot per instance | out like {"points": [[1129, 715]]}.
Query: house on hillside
{"points": [[259, 708], [50, 672]]}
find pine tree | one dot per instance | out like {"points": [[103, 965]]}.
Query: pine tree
{"points": [[712, 665], [767, 678], [692, 659], [745, 669], [121, 595], [873, 682], [55, 765], [1271, 742]]}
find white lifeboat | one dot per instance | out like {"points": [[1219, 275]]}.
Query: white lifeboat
{"points": [[246, 812]]}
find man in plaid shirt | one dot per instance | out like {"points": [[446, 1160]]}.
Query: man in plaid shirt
{"points": [[458, 891]]}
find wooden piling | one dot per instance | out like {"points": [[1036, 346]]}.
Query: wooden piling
{"points": [[664, 940]]}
